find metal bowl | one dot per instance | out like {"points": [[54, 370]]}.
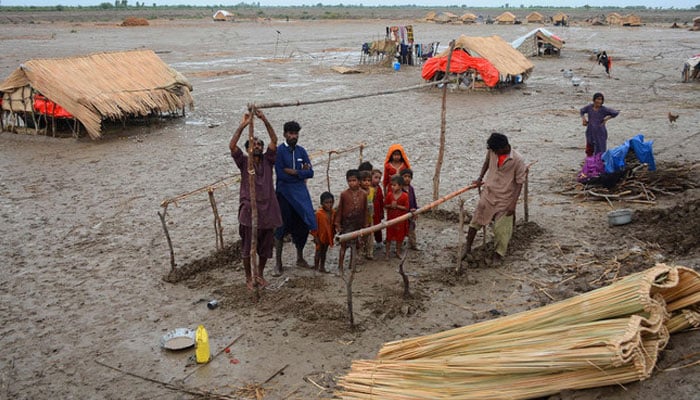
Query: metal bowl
{"points": [[178, 339], [620, 217]]}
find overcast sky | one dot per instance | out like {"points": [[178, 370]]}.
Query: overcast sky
{"points": [[426, 3]]}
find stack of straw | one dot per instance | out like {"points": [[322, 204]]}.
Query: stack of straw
{"points": [[612, 335]]}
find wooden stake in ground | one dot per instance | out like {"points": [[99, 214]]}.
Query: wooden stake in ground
{"points": [[441, 151], [167, 237], [406, 293], [253, 202], [348, 284], [461, 236]]}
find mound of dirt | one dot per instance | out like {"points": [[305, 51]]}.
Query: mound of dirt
{"points": [[134, 21]]}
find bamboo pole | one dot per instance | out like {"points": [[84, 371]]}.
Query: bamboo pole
{"points": [[404, 277], [358, 96], [443, 113], [348, 285], [461, 236], [218, 229], [253, 200], [366, 231], [328, 169], [167, 237]]}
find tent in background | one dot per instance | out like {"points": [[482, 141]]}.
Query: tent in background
{"points": [[539, 42]]}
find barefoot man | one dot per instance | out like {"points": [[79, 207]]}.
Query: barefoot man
{"points": [[269, 216], [499, 196]]}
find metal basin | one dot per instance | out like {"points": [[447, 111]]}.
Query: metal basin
{"points": [[620, 217]]}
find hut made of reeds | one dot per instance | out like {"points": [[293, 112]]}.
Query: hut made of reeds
{"points": [[539, 42], [94, 88], [506, 17], [631, 20], [696, 24], [508, 62], [535, 18], [446, 18], [430, 16], [560, 19], [223, 15], [468, 18], [614, 19]]}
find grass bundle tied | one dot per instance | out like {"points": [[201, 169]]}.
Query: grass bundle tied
{"points": [[608, 336]]}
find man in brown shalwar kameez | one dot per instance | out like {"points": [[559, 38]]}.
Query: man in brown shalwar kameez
{"points": [[269, 216], [499, 195]]}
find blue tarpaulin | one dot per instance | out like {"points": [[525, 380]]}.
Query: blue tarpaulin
{"points": [[614, 158]]}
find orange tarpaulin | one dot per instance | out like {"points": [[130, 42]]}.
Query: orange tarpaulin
{"points": [[460, 62], [45, 106]]}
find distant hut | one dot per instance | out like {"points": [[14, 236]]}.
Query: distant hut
{"points": [[88, 90], [430, 16], [468, 18], [631, 20], [507, 18], [446, 18], [223, 15], [560, 19], [535, 18], [696, 24], [539, 42], [614, 19]]}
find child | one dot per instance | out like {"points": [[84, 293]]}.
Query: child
{"points": [[395, 162], [396, 204], [378, 204], [323, 236], [351, 214], [366, 185], [407, 176]]}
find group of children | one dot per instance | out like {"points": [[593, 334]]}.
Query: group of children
{"points": [[362, 205]]}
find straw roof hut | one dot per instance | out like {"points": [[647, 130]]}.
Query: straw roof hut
{"points": [[506, 18], [560, 19], [631, 20], [508, 61], [430, 16], [446, 17], [696, 24], [535, 18], [539, 42], [468, 18], [614, 19], [98, 87], [223, 15]]}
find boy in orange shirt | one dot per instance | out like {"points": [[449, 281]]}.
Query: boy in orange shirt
{"points": [[323, 235]]}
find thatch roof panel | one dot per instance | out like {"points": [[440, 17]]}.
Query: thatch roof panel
{"points": [[506, 17], [506, 59], [105, 85]]}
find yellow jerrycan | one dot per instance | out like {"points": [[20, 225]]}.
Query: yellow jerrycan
{"points": [[201, 344]]}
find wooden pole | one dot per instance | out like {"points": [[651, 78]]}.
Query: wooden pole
{"points": [[218, 229], [328, 169], [348, 285], [441, 151], [526, 209], [167, 237], [404, 277], [461, 236], [366, 231], [253, 201]]}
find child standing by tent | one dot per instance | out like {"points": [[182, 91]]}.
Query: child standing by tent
{"points": [[396, 204]]}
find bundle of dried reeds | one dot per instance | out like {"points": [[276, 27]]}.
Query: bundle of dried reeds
{"points": [[609, 336]]}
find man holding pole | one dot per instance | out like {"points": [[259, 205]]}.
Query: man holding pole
{"points": [[506, 174], [293, 168], [268, 210]]}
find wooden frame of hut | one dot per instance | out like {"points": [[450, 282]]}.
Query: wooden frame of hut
{"points": [[614, 19], [535, 18], [114, 86], [560, 19], [631, 20], [539, 42], [506, 18]]}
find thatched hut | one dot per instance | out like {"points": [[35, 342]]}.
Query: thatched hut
{"points": [[614, 19], [631, 20], [430, 16], [94, 88], [539, 42], [223, 15], [506, 18], [560, 19], [468, 18], [446, 18], [488, 61], [696, 24], [535, 18]]}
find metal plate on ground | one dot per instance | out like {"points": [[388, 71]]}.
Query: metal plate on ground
{"points": [[178, 339]]}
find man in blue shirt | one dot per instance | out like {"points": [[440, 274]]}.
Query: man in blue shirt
{"points": [[293, 168]]}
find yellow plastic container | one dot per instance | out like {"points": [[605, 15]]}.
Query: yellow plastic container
{"points": [[201, 343]]}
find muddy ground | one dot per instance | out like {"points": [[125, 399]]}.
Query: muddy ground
{"points": [[87, 281]]}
